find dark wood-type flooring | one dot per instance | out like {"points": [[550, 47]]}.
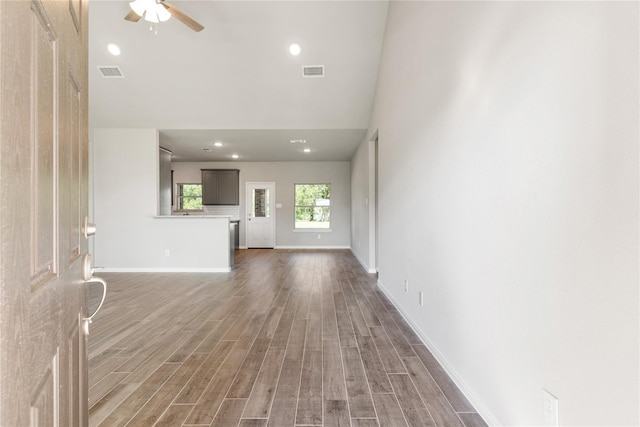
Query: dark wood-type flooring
{"points": [[289, 338]]}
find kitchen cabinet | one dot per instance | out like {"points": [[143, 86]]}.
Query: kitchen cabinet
{"points": [[220, 187]]}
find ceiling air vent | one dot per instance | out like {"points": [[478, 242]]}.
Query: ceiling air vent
{"points": [[313, 70], [110, 71]]}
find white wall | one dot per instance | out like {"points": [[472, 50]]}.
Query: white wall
{"points": [[285, 175], [509, 196], [360, 202], [125, 200]]}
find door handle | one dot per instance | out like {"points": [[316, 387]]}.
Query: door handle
{"points": [[87, 320], [89, 278], [103, 282]]}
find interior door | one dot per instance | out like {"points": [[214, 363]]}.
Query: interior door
{"points": [[261, 215], [43, 205]]}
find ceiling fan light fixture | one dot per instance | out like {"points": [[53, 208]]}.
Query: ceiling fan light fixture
{"points": [[156, 11], [138, 6], [151, 15], [162, 12]]}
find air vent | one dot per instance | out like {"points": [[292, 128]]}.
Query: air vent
{"points": [[313, 70], [110, 71]]}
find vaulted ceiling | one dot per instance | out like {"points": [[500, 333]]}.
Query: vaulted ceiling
{"points": [[235, 82]]}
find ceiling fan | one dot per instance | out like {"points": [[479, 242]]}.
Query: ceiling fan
{"points": [[159, 11]]}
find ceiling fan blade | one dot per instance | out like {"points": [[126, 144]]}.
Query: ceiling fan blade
{"points": [[132, 16], [183, 17]]}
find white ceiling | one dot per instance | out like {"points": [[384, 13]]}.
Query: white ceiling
{"points": [[236, 81]]}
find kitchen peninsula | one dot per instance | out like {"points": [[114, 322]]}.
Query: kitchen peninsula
{"points": [[197, 242]]}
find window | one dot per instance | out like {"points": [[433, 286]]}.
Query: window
{"points": [[260, 203], [313, 205], [189, 197]]}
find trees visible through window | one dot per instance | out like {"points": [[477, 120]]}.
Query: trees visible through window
{"points": [[312, 206], [189, 197]]}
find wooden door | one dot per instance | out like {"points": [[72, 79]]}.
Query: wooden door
{"points": [[43, 204], [261, 215]]}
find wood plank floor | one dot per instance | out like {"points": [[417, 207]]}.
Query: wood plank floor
{"points": [[289, 338]]}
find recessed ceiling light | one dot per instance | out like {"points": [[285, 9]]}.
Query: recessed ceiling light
{"points": [[294, 49], [307, 150], [113, 49], [218, 144], [234, 156], [298, 141]]}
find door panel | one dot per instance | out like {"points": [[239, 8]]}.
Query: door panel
{"points": [[72, 171], [44, 405], [44, 144], [260, 215], [43, 201]]}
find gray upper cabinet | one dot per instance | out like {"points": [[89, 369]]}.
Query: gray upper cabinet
{"points": [[220, 186]]}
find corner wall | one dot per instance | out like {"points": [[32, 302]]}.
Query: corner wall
{"points": [[508, 174]]}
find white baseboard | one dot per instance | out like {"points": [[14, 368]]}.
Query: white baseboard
{"points": [[479, 406], [312, 247], [164, 270], [364, 264]]}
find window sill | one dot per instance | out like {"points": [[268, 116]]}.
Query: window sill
{"points": [[312, 230]]}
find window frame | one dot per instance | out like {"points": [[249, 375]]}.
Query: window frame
{"points": [[296, 206], [180, 197]]}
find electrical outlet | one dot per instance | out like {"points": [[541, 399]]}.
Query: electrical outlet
{"points": [[550, 408], [166, 252], [420, 298], [319, 236], [406, 286]]}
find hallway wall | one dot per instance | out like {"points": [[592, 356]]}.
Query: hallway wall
{"points": [[508, 147]]}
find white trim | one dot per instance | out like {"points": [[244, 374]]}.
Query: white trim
{"points": [[482, 410], [372, 172], [312, 247], [243, 247], [164, 270], [364, 264], [312, 230]]}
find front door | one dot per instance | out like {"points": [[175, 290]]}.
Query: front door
{"points": [[43, 205], [261, 215]]}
